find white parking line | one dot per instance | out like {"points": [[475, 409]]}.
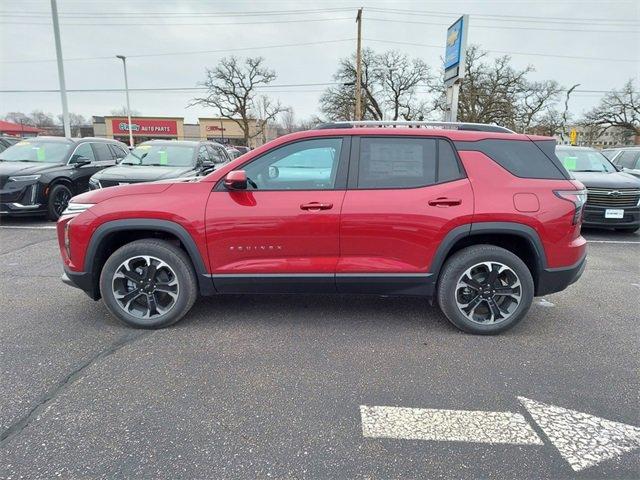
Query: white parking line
{"points": [[613, 241], [447, 425], [34, 227]]}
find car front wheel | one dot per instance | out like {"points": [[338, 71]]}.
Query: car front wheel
{"points": [[485, 289], [148, 284], [59, 197]]}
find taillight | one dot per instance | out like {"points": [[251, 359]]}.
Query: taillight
{"points": [[578, 198]]}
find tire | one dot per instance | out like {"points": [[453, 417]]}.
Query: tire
{"points": [[512, 290], [59, 197], [172, 284]]}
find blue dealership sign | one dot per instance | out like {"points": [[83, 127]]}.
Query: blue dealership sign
{"points": [[454, 48]]}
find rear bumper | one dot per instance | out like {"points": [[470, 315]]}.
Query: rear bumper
{"points": [[553, 280], [594, 217], [83, 281]]}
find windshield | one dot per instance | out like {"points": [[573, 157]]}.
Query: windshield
{"points": [[36, 151], [161, 156], [584, 160]]}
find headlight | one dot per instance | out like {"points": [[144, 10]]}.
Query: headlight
{"points": [[94, 183], [76, 208], [23, 178]]}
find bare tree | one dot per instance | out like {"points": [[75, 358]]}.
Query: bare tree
{"points": [[389, 87], [75, 122], [288, 121], [122, 112], [338, 103], [399, 78], [42, 119], [618, 108], [232, 91], [495, 92], [19, 118]]}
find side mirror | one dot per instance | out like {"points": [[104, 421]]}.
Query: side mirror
{"points": [[236, 180], [208, 165], [79, 161]]}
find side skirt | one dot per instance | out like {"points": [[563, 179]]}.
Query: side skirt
{"points": [[422, 284]]}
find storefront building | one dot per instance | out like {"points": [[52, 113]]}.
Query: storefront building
{"points": [[142, 128], [228, 132], [221, 130]]}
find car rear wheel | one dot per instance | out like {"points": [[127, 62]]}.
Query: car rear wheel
{"points": [[59, 197], [485, 289], [148, 284]]}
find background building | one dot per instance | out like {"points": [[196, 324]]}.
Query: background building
{"points": [[221, 130], [594, 137], [17, 129], [226, 131]]}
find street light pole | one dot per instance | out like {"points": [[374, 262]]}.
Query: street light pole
{"points": [[359, 67], [126, 88], [63, 88]]}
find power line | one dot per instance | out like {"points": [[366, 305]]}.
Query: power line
{"points": [[189, 89], [145, 24], [509, 52], [501, 27], [164, 14], [193, 52], [509, 18], [164, 89]]}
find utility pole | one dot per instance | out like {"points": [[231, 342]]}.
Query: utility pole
{"points": [[359, 67], [126, 89], [63, 88]]}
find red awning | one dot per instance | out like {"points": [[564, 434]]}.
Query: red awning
{"points": [[10, 128]]}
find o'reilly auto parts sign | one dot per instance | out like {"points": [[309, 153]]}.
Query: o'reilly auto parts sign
{"points": [[145, 127]]}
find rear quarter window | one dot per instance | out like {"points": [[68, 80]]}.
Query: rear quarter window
{"points": [[521, 158]]}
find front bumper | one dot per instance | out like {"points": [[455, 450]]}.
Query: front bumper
{"points": [[21, 200], [552, 280], [82, 280], [594, 217]]}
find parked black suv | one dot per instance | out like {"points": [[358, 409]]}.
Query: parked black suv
{"points": [[163, 160], [613, 197], [39, 175], [626, 159]]}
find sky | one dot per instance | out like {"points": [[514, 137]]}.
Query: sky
{"points": [[594, 43]]}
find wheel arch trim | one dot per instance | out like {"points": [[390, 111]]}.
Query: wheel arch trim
{"points": [[166, 226], [480, 228]]}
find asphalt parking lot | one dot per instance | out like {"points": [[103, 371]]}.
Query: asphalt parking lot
{"points": [[317, 387]]}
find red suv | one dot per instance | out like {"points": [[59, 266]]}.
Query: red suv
{"points": [[474, 216]]}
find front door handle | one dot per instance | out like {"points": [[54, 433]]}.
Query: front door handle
{"points": [[315, 206], [445, 202]]}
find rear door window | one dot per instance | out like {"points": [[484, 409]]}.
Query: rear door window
{"points": [[103, 153], [392, 162], [448, 167]]}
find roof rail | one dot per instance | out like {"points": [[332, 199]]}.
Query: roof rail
{"points": [[478, 127]]}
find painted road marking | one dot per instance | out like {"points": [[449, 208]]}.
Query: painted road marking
{"points": [[583, 440], [35, 227], [447, 425], [613, 241]]}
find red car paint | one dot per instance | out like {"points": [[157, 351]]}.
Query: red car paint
{"points": [[344, 231]]}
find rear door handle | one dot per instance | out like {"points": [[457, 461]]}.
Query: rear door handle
{"points": [[445, 202], [315, 206]]}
